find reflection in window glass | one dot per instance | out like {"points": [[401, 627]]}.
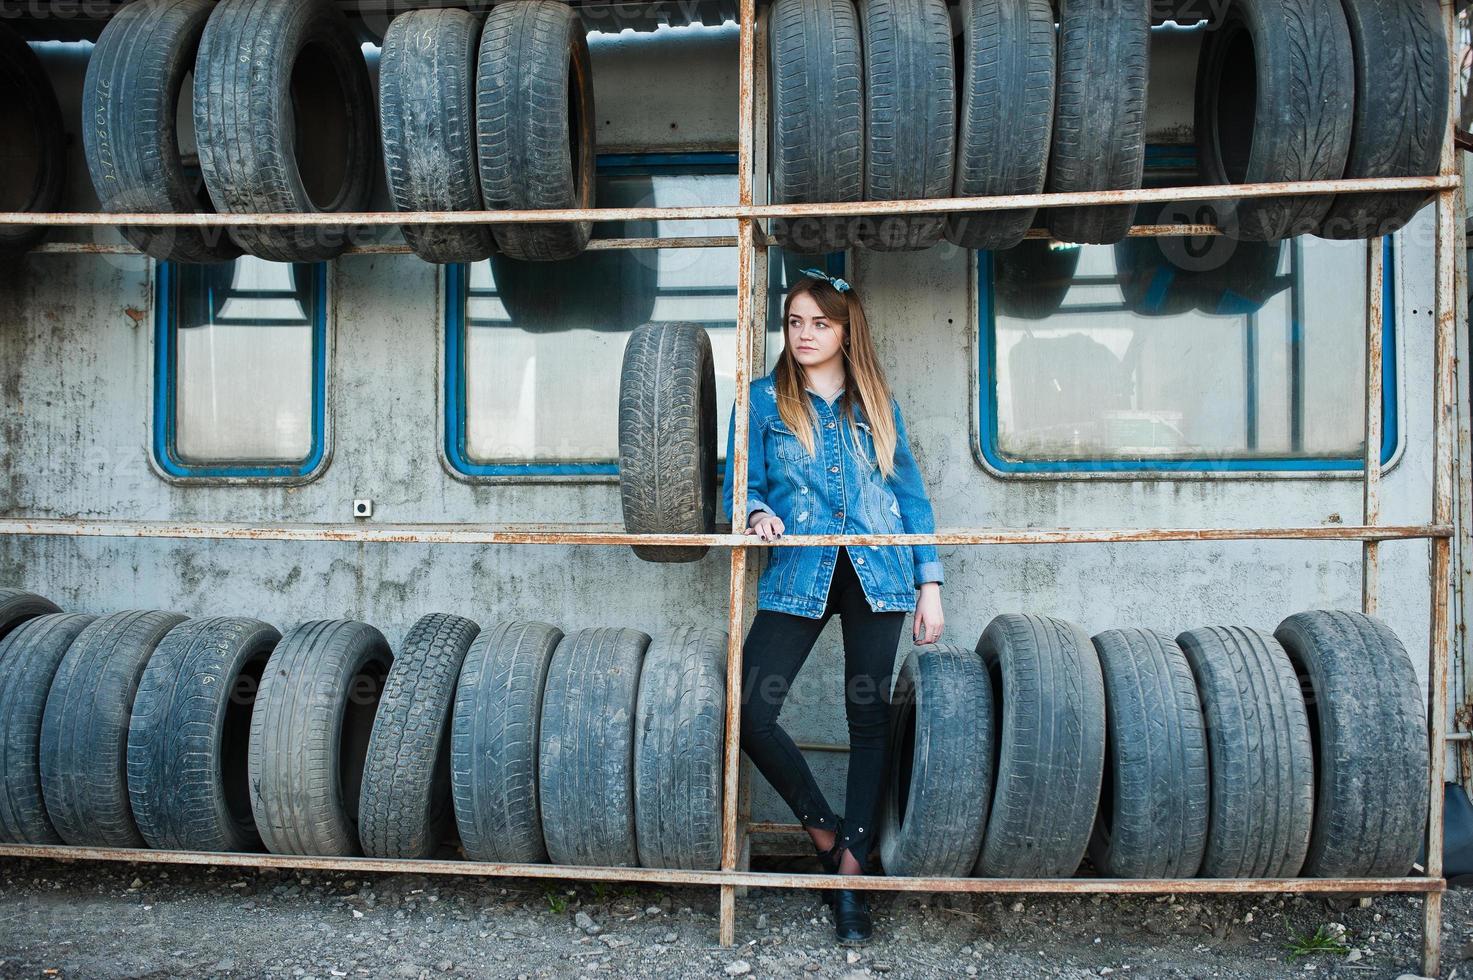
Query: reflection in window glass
{"points": [[543, 341], [1107, 353], [242, 369]]}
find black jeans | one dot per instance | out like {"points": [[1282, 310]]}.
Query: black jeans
{"points": [[775, 649]]}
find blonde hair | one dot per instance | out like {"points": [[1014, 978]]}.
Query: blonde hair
{"points": [[864, 379]]}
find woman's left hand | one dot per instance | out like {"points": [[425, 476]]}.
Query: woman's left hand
{"points": [[928, 618]]}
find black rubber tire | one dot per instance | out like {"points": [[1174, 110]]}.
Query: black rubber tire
{"points": [[18, 606], [667, 437], [1400, 116], [262, 146], [1211, 273], [585, 758], [310, 732], [535, 124], [427, 121], [493, 758], [188, 783], [130, 99], [939, 784], [1291, 60], [404, 808], [34, 139], [1050, 708], [679, 727], [1152, 820], [1258, 746], [1031, 280], [84, 731], [1369, 734], [1099, 141], [29, 657], [909, 117], [816, 133], [1006, 116]]}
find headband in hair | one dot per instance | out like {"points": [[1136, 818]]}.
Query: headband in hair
{"points": [[834, 281]]}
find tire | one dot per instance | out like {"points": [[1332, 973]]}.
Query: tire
{"points": [[190, 731], [1295, 59], [84, 730], [404, 808], [35, 140], [667, 437], [1006, 116], [585, 761], [1400, 115], [816, 130], [680, 721], [29, 657], [909, 117], [310, 733], [493, 759], [940, 780], [1258, 746], [1152, 820], [1099, 141], [135, 78], [1050, 705], [269, 75], [535, 124], [427, 118], [18, 606], [1032, 280], [1369, 732]]}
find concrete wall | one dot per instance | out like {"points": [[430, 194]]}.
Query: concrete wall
{"points": [[76, 341]]}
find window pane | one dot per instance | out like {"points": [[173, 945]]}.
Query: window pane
{"points": [[1276, 370], [544, 340], [243, 337]]}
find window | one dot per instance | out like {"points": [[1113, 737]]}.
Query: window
{"points": [[534, 349], [240, 369], [1151, 356]]}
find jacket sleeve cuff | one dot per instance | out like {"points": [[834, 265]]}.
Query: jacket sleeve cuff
{"points": [[928, 571]]}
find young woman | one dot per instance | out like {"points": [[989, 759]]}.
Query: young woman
{"points": [[828, 453]]}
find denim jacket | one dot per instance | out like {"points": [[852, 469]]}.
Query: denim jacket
{"points": [[836, 493]]}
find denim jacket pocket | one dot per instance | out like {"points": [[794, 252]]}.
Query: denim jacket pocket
{"points": [[785, 441]]}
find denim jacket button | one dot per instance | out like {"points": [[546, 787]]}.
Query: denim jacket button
{"points": [[831, 425], [839, 514], [833, 469], [859, 561]]}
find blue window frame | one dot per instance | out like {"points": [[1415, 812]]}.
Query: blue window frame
{"points": [[580, 313], [219, 425], [1049, 358]]}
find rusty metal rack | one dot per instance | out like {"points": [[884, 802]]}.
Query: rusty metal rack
{"points": [[752, 241]]}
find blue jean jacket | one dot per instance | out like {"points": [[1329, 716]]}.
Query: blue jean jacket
{"points": [[836, 493]]}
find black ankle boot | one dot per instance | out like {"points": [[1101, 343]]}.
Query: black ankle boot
{"points": [[852, 923]]}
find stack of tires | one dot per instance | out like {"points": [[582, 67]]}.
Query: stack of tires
{"points": [[1226, 752], [147, 729], [473, 116], [874, 100]]}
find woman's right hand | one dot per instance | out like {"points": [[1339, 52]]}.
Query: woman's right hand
{"points": [[766, 526]]}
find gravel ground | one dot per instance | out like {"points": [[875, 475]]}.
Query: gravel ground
{"points": [[124, 920]]}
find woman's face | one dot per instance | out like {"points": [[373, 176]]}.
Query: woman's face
{"points": [[812, 337]]}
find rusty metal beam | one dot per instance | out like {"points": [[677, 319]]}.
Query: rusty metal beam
{"points": [[609, 534], [366, 219], [1371, 469], [759, 879]]}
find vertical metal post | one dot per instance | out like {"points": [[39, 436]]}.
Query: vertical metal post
{"points": [[737, 586], [1375, 312], [1444, 437]]}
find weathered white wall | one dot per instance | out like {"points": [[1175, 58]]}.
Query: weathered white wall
{"points": [[76, 371]]}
